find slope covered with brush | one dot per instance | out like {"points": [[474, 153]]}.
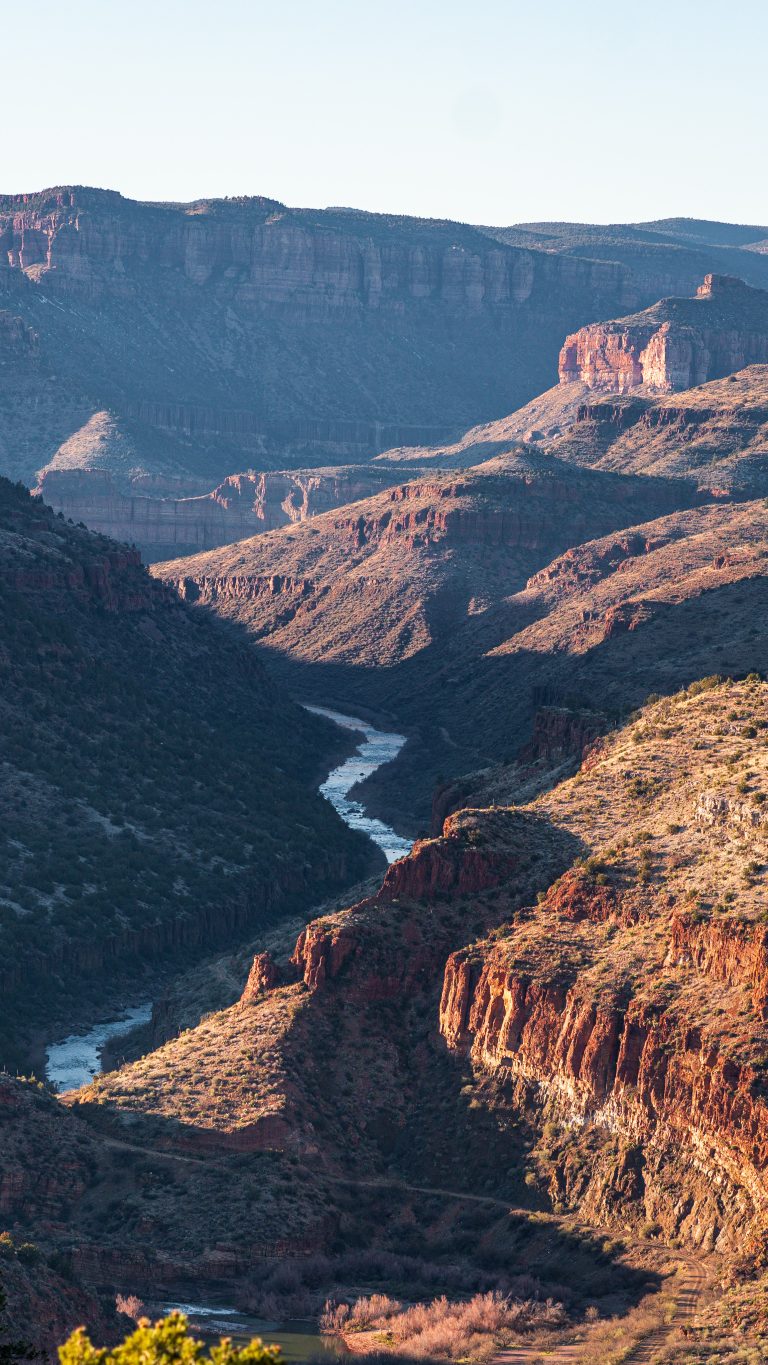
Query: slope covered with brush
{"points": [[602, 1041], [155, 786]]}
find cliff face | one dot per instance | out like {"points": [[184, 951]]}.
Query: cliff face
{"points": [[247, 334], [674, 345], [243, 505], [631, 1001], [316, 262], [242, 334]]}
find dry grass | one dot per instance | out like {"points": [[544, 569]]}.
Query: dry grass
{"points": [[442, 1329]]}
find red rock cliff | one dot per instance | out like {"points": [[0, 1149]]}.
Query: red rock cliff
{"points": [[674, 345]]}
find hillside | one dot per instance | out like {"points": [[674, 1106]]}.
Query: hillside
{"points": [[424, 625], [586, 640], [602, 1042], [388, 577], [714, 434], [415, 603], [156, 787], [374, 604]]}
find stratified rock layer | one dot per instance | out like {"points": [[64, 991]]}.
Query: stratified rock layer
{"points": [[673, 345]]}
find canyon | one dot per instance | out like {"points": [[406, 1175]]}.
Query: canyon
{"points": [[491, 1017], [564, 1071]]}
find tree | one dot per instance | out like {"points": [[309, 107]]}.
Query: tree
{"points": [[166, 1342]]}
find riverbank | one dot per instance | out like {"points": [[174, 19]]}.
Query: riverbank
{"points": [[73, 1061]]}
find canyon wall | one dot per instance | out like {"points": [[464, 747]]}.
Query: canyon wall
{"points": [[249, 334], [84, 240], [675, 345], [164, 527]]}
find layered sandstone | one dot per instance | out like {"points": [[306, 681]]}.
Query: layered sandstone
{"points": [[675, 344], [164, 527], [632, 999]]}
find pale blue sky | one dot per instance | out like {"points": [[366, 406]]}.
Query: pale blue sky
{"points": [[493, 111]]}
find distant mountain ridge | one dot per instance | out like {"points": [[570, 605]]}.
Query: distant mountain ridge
{"points": [[241, 333]]}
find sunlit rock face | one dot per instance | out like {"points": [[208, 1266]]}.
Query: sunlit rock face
{"points": [[676, 344]]}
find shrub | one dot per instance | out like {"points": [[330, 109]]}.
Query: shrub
{"points": [[166, 1342], [442, 1328]]}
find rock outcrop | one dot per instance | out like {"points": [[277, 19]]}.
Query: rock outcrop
{"points": [[631, 1001], [139, 510], [673, 345]]}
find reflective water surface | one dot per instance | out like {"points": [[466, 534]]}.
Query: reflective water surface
{"points": [[77, 1059], [298, 1341], [377, 747]]}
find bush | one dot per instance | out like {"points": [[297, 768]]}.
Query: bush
{"points": [[167, 1342], [441, 1328]]}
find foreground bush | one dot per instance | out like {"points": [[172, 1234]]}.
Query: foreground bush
{"points": [[442, 1328], [166, 1342]]}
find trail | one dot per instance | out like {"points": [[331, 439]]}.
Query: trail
{"points": [[687, 1292], [687, 1295]]}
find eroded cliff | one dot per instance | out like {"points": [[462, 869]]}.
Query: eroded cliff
{"points": [[675, 344]]}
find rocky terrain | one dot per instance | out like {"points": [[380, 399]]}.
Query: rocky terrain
{"points": [[143, 819], [675, 344], [715, 434], [557, 1003], [518, 1079], [162, 526], [435, 603], [392, 576], [242, 333]]}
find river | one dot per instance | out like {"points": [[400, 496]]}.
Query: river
{"points": [[75, 1060], [298, 1341], [377, 748]]}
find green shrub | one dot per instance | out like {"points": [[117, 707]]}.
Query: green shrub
{"points": [[166, 1342]]}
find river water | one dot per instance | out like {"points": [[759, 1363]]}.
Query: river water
{"points": [[75, 1060], [298, 1341], [377, 748]]}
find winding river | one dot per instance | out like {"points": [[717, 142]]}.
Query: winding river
{"points": [[75, 1060], [377, 748]]}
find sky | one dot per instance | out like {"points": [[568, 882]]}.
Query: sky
{"points": [[487, 111]]}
